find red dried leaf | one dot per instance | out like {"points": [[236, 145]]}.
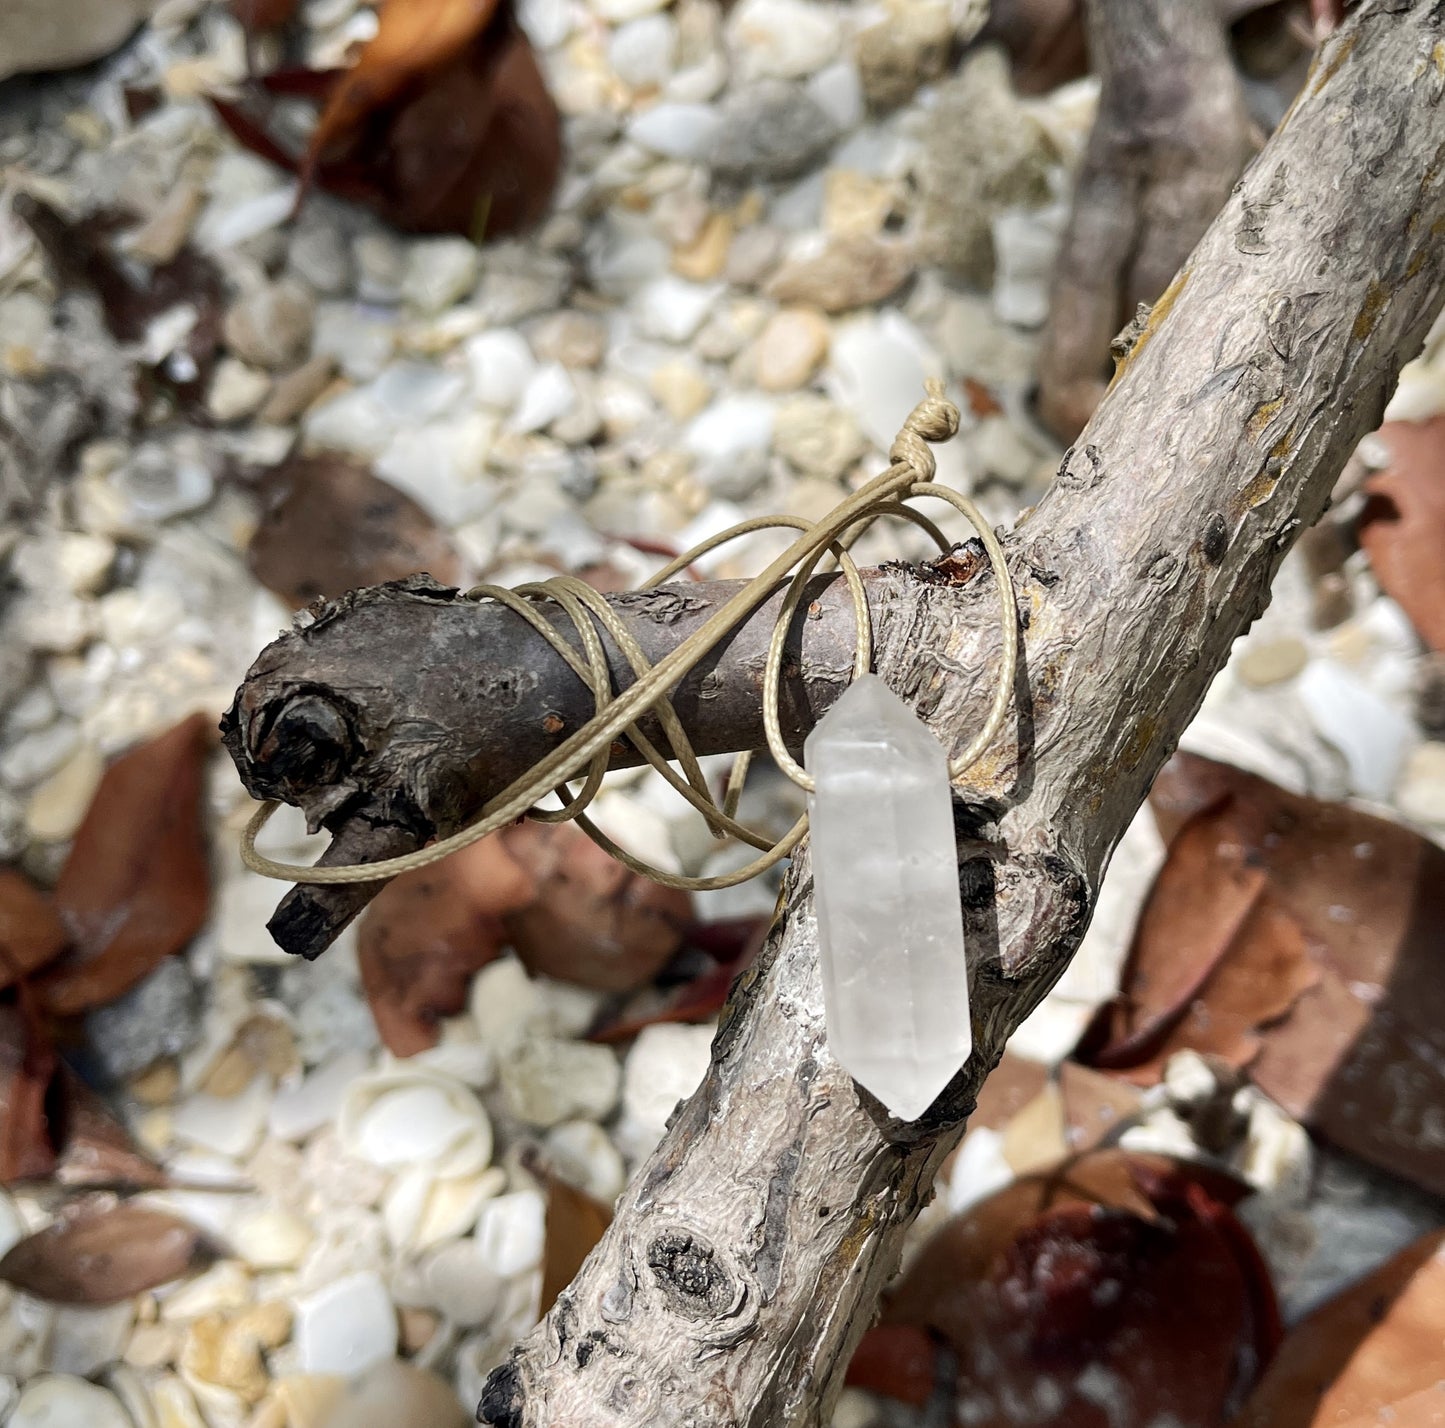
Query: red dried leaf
{"points": [[981, 400], [594, 921], [436, 136], [94, 1149], [1301, 940], [1402, 524], [898, 1361], [1116, 1269], [136, 886], [30, 931], [429, 932], [574, 1223], [102, 1252], [374, 532], [1369, 1356]]}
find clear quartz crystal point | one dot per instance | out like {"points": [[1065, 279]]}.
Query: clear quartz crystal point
{"points": [[885, 877]]}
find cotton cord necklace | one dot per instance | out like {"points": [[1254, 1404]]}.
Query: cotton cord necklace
{"points": [[885, 878]]}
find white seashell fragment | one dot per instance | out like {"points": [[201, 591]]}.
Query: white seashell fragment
{"points": [[345, 1327], [61, 1401], [409, 1117]]}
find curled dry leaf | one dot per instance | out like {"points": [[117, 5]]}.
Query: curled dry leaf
{"points": [[413, 38], [373, 532], [1301, 940], [444, 125], [594, 922], [30, 931], [1116, 1288], [1402, 523], [102, 1252], [429, 932], [1371, 1355], [52, 1124], [136, 886]]}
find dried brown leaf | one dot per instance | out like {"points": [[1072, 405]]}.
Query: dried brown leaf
{"points": [[329, 526], [429, 932], [413, 39], [30, 931], [594, 922], [1402, 523], [1301, 940], [136, 886], [102, 1252], [93, 1148], [441, 137], [575, 1222], [1121, 1269], [52, 1125], [1371, 1355]]}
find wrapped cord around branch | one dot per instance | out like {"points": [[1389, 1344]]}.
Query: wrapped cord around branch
{"points": [[585, 753]]}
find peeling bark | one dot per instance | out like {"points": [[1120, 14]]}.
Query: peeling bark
{"points": [[747, 1254]]}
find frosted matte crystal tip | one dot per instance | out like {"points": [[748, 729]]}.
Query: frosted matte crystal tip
{"points": [[885, 884]]}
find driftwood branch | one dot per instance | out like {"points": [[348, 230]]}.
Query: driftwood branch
{"points": [[746, 1255]]}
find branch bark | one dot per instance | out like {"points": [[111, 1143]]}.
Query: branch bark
{"points": [[746, 1255]]}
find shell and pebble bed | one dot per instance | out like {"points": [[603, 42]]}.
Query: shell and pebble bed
{"points": [[769, 232]]}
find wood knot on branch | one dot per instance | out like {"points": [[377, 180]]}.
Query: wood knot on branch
{"points": [[691, 1278]]}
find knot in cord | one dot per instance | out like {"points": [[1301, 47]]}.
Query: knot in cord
{"points": [[935, 419]]}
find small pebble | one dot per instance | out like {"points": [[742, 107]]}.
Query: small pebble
{"points": [[64, 1401], [790, 348], [271, 325], [546, 1080], [439, 272], [345, 1327], [58, 803], [1264, 664]]}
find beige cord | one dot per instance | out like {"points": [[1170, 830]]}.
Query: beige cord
{"points": [[910, 474]]}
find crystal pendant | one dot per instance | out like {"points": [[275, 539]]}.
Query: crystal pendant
{"points": [[890, 920]]}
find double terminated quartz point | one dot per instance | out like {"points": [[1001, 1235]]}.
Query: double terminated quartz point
{"points": [[890, 921]]}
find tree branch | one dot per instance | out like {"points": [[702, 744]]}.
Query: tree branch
{"points": [[747, 1253]]}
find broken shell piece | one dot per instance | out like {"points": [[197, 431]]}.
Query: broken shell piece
{"points": [[346, 1327], [61, 1399], [396, 1118]]}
